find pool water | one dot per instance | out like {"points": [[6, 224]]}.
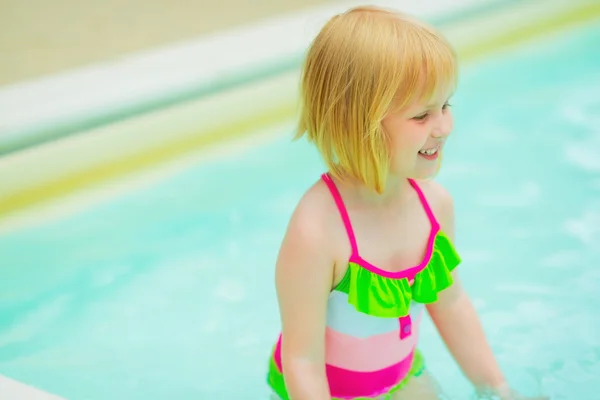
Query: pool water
{"points": [[166, 292]]}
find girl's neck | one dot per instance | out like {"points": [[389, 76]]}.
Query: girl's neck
{"points": [[397, 192]]}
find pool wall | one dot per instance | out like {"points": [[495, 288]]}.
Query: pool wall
{"points": [[158, 106], [54, 106]]}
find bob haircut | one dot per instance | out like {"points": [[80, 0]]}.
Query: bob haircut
{"points": [[364, 64]]}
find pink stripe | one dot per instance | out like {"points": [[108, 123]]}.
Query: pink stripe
{"points": [[347, 384], [371, 354]]}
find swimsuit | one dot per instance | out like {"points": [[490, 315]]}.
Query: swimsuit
{"points": [[373, 317]]}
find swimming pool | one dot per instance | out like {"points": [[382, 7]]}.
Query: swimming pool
{"points": [[167, 291]]}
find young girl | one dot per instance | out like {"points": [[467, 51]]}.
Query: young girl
{"points": [[370, 243]]}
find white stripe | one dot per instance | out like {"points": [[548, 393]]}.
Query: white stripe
{"points": [[344, 318]]}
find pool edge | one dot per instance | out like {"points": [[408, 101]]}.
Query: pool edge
{"points": [[16, 390], [278, 110], [122, 89]]}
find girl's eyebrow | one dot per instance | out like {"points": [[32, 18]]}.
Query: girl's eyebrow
{"points": [[433, 104]]}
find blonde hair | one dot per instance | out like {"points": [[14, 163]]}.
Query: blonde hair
{"points": [[362, 65]]}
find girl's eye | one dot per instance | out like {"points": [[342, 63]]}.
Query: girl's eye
{"points": [[424, 116]]}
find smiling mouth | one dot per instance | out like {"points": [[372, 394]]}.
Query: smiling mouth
{"points": [[429, 152]]}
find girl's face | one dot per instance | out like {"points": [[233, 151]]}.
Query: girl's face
{"points": [[416, 137]]}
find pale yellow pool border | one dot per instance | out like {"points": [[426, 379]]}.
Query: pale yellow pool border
{"points": [[28, 197]]}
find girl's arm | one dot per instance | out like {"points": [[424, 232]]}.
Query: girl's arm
{"points": [[458, 323], [304, 276]]}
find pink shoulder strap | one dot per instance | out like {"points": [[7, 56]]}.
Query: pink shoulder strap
{"points": [[424, 203], [343, 212]]}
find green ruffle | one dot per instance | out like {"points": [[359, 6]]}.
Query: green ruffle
{"points": [[384, 297]]}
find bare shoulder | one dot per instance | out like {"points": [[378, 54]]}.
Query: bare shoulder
{"points": [[311, 221], [441, 202], [311, 241]]}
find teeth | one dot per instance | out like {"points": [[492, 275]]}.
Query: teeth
{"points": [[429, 152]]}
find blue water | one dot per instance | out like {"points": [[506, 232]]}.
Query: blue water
{"points": [[167, 292]]}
